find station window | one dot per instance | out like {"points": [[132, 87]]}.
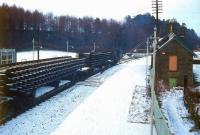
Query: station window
{"points": [[172, 63], [3, 57], [4, 62]]}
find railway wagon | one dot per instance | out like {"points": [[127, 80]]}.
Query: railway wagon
{"points": [[98, 59], [19, 82]]}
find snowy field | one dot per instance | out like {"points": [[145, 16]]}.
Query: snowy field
{"points": [[87, 109], [28, 55], [176, 113]]}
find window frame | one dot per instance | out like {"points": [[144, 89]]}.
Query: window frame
{"points": [[173, 59]]}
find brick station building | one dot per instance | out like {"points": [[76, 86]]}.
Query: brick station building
{"points": [[174, 63]]}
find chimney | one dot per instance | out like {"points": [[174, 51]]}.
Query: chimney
{"points": [[171, 21], [182, 30], [171, 27]]}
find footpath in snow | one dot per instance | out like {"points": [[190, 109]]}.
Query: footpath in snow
{"points": [[176, 113], [101, 105], [106, 111]]}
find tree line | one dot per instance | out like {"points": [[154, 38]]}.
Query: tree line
{"points": [[18, 27]]}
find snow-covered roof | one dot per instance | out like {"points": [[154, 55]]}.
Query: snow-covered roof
{"points": [[164, 42]]}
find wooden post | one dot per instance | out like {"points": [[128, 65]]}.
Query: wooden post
{"points": [[153, 79]]}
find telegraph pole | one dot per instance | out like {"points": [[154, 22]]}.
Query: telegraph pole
{"points": [[33, 47], [67, 47], [157, 9], [38, 45], [94, 49], [147, 63], [153, 79]]}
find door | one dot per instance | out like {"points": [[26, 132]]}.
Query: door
{"points": [[172, 82]]}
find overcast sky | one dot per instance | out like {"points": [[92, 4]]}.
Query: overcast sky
{"points": [[184, 11]]}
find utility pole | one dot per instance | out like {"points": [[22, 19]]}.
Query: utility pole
{"points": [[33, 47], [38, 44], [67, 47], [94, 47], [153, 79], [147, 63], [157, 9]]}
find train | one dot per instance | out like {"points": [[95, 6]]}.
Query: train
{"points": [[21, 82]]}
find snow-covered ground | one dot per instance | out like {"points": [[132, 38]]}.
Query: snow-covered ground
{"points": [[62, 82], [28, 55], [87, 109], [44, 118], [197, 53], [42, 90], [176, 113], [105, 112], [139, 110], [196, 70]]}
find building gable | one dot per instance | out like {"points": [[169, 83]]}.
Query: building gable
{"points": [[166, 41]]}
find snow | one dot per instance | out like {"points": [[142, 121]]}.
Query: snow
{"points": [[196, 67], [28, 55], [84, 109], [126, 56], [106, 110], [176, 113], [47, 116], [62, 82], [197, 53], [84, 69], [196, 89], [139, 110], [196, 70], [42, 90], [44, 118]]}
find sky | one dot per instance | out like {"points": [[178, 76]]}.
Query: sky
{"points": [[184, 11]]}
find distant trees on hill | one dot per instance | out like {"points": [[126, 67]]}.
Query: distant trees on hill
{"points": [[18, 27]]}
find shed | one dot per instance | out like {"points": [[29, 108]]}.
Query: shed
{"points": [[174, 62], [7, 56]]}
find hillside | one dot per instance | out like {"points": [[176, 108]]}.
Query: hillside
{"points": [[18, 27]]}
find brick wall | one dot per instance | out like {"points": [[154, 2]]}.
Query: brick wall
{"points": [[184, 62]]}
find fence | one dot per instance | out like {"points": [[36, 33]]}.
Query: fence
{"points": [[159, 119]]}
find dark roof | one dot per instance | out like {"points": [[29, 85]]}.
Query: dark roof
{"points": [[164, 42]]}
